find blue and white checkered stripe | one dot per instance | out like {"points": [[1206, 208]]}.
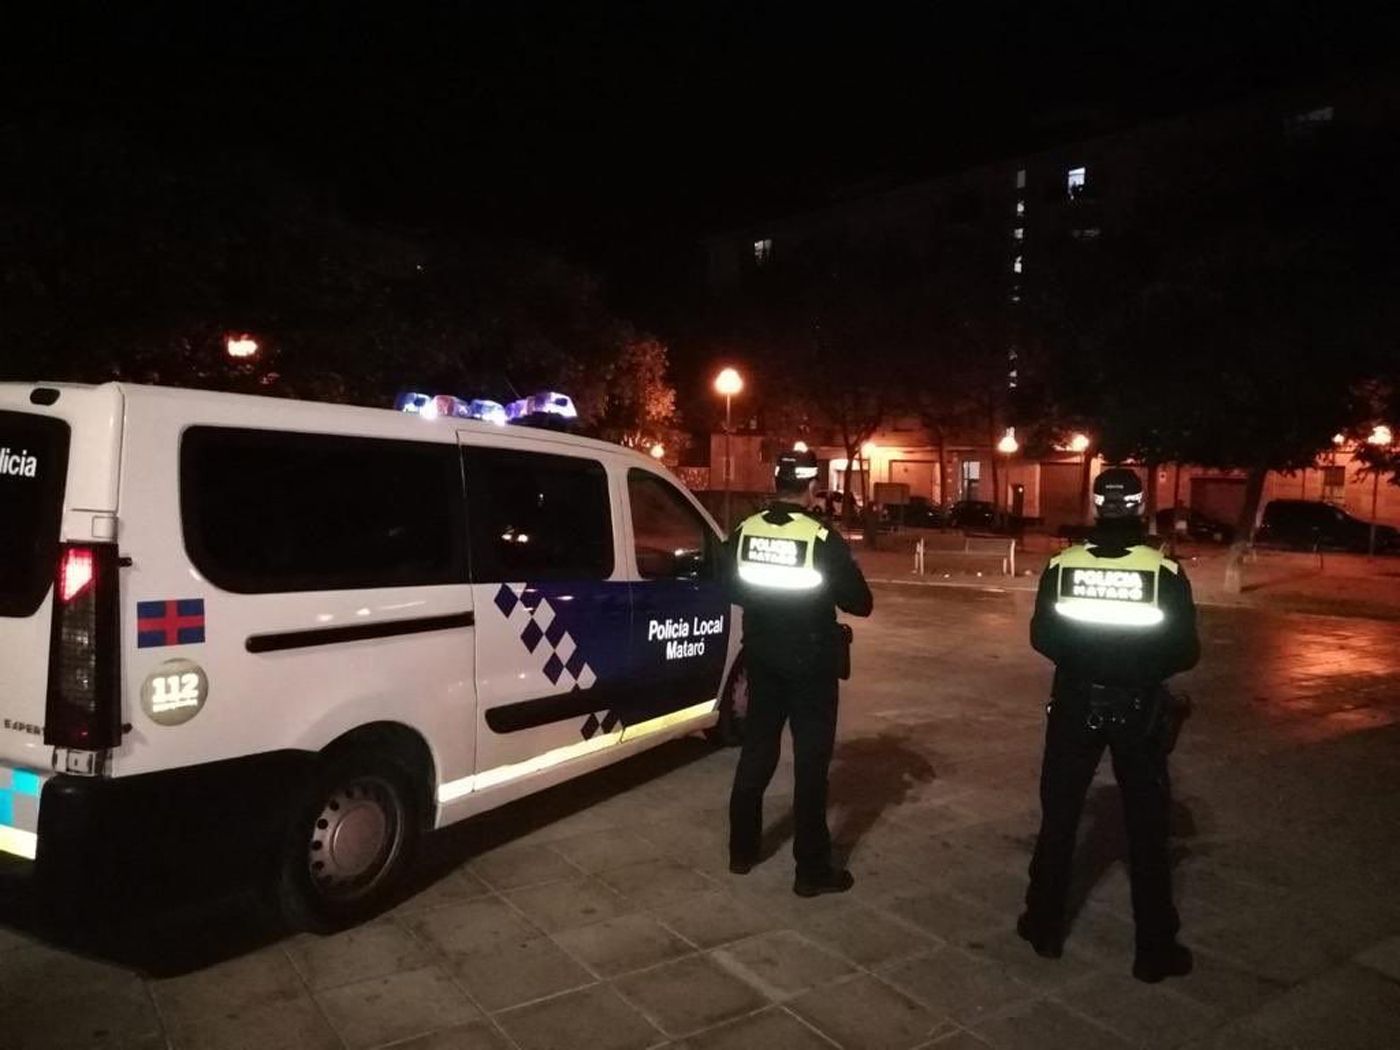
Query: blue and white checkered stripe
{"points": [[543, 634], [19, 809]]}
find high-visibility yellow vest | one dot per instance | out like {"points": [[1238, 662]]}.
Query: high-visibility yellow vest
{"points": [[780, 557], [1118, 592]]}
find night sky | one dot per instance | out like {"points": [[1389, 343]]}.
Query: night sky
{"points": [[622, 131]]}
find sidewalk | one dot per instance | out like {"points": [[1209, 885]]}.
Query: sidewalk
{"points": [[1284, 581]]}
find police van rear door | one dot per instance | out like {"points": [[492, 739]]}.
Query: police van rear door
{"points": [[58, 481]]}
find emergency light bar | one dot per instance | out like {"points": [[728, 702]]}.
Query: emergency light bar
{"points": [[430, 406], [548, 408]]}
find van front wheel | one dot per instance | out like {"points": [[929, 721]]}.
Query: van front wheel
{"points": [[350, 842]]}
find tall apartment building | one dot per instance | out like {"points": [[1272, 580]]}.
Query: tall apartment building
{"points": [[1023, 213]]}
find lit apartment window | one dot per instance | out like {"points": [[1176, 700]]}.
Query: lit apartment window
{"points": [[1019, 233], [1021, 179], [763, 251], [1020, 207], [1016, 266], [1088, 233], [1074, 181]]}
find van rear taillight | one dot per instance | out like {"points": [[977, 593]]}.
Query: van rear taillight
{"points": [[84, 701], [75, 572]]}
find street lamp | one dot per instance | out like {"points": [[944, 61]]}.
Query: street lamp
{"points": [[799, 446], [1379, 437], [658, 451], [728, 383], [1007, 446], [1079, 443], [241, 346]]}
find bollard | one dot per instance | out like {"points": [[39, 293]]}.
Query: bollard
{"points": [[919, 557]]}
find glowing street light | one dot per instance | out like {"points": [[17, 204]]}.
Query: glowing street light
{"points": [[1079, 443], [1379, 435], [1008, 443], [241, 346], [658, 451], [728, 383], [799, 446]]}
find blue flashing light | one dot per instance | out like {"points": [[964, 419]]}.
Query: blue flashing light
{"points": [[487, 411], [412, 402], [545, 403]]}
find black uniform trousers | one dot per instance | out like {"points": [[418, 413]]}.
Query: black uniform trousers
{"points": [[1072, 753], [807, 701]]}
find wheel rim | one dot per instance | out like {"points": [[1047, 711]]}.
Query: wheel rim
{"points": [[355, 839]]}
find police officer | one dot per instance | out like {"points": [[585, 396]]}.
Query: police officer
{"points": [[1116, 618], [791, 574]]}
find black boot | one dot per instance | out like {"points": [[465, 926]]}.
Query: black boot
{"points": [[833, 880], [740, 865], [1162, 961], [1047, 940]]}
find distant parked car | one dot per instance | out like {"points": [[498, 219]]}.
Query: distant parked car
{"points": [[1311, 525], [1198, 526], [831, 504], [973, 514], [920, 513]]}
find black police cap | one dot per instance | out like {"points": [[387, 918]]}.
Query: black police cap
{"points": [[795, 467], [1118, 493]]}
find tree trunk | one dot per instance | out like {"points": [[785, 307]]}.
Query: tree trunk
{"points": [[847, 504], [1176, 501], [1244, 530], [1149, 503], [942, 469], [1086, 513]]}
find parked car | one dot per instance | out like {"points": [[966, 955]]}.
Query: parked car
{"points": [[920, 512], [1198, 526], [831, 503], [973, 514], [1311, 525]]}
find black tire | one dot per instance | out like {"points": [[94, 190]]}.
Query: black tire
{"points": [[351, 840], [733, 707]]}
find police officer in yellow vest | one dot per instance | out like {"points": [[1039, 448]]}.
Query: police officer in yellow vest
{"points": [[1117, 619], [791, 574]]}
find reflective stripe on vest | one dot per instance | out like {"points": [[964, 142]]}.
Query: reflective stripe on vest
{"points": [[780, 557], [1121, 592]]}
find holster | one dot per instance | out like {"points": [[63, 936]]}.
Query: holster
{"points": [[844, 637], [1131, 713]]}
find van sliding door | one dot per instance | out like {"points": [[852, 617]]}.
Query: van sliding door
{"points": [[553, 610]]}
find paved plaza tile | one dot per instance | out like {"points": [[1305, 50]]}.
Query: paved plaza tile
{"points": [[602, 914]]}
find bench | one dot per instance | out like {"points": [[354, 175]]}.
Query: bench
{"points": [[1001, 548]]}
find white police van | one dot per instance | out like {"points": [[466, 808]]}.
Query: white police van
{"points": [[245, 629]]}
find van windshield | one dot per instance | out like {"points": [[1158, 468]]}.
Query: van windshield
{"points": [[33, 471]]}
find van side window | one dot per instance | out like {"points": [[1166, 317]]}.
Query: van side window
{"points": [[672, 541], [537, 517], [267, 511]]}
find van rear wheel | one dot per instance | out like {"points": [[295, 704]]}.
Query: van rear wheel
{"points": [[351, 841]]}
